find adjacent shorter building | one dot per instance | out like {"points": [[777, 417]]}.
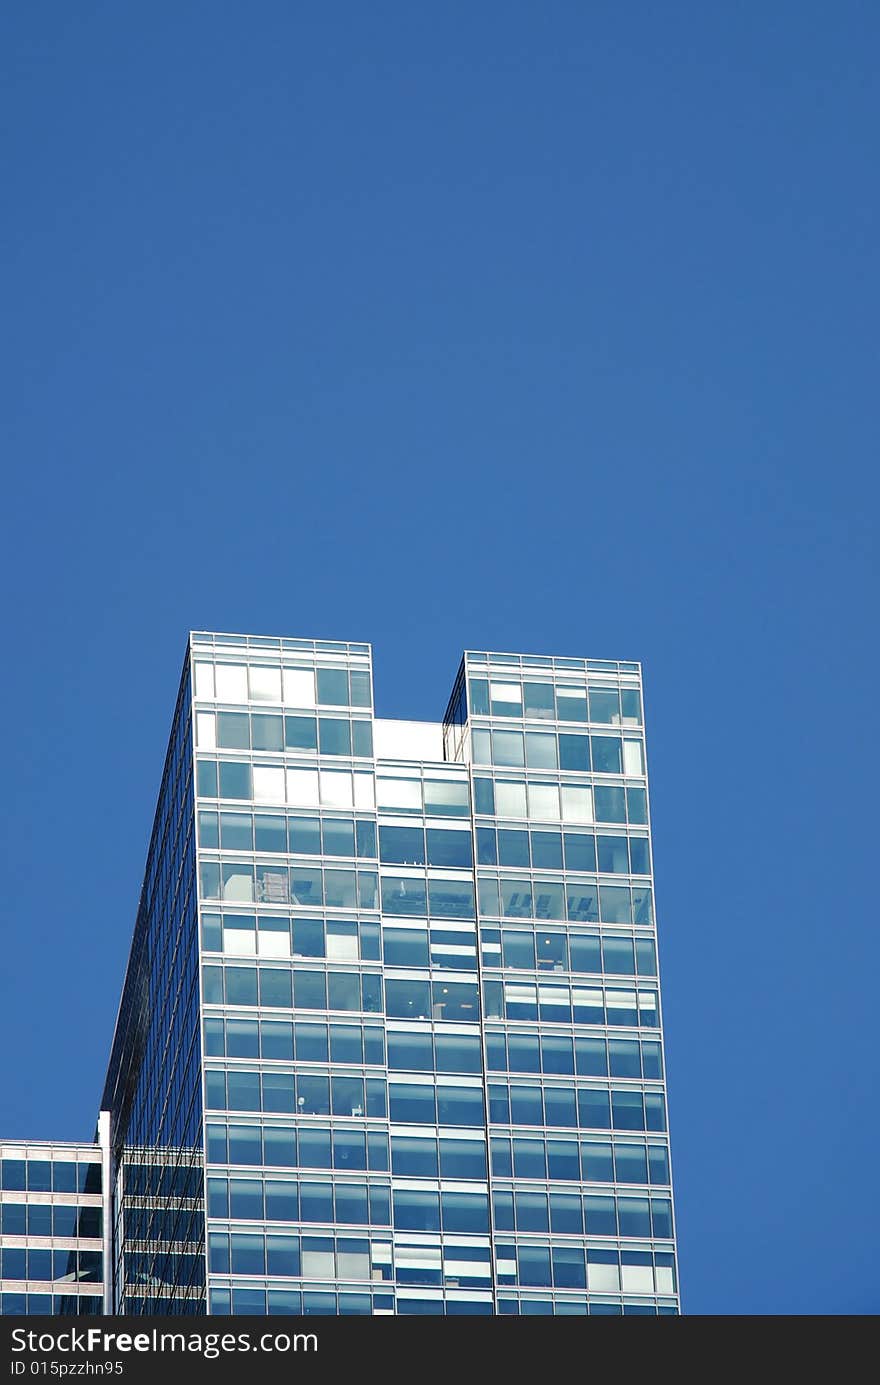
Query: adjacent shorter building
{"points": [[390, 1036], [52, 1228]]}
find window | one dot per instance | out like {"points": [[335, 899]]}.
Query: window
{"points": [[361, 738], [265, 683], [506, 699], [577, 804], [302, 788], [633, 757], [465, 1212], [456, 1001], [206, 737], [580, 851], [299, 687], [571, 704], [336, 789], [606, 754], [448, 847], [233, 730], [478, 697], [416, 1211], [270, 833], [443, 798], [411, 1104], [414, 1157], [544, 802], [516, 897], [518, 948], [613, 855], [538, 700], [407, 999], [484, 795], [342, 940], [540, 750], [462, 1159], [410, 1051], [399, 794], [333, 687], [402, 845], [334, 736], [404, 895], [235, 779], [300, 733], [360, 688], [510, 799], [231, 682], [513, 847], [459, 1105], [204, 680], [574, 752], [268, 784], [507, 748], [546, 850], [605, 706], [451, 898], [405, 947]]}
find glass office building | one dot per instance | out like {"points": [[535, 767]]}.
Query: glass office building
{"points": [[153, 1091], [389, 1040], [52, 1228]]}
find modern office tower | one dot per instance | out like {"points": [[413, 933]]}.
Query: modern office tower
{"points": [[389, 1040], [52, 1228], [153, 1091]]}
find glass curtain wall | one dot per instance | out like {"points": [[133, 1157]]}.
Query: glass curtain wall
{"points": [[578, 1145], [51, 1229], [154, 1085]]}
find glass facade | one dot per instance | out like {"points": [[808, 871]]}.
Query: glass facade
{"points": [[153, 1091], [579, 1157], [390, 1036], [431, 1025], [51, 1229]]}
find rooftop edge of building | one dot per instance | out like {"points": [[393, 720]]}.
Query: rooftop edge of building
{"points": [[283, 643]]}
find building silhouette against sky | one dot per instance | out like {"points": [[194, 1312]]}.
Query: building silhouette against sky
{"points": [[389, 1039]]}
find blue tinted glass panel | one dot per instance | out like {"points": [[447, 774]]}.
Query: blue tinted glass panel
{"points": [[333, 687]]}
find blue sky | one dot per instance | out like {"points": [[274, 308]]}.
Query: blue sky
{"points": [[549, 329]]}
